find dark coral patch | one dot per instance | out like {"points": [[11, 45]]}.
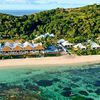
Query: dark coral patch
{"points": [[67, 89], [78, 98], [97, 91], [44, 83], [74, 79], [56, 80], [56, 90], [89, 99], [66, 93], [59, 86], [32, 87], [3, 86], [26, 81], [74, 85], [28, 73], [83, 93], [97, 83], [90, 91]]}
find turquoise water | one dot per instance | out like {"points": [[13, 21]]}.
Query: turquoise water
{"points": [[55, 83]]}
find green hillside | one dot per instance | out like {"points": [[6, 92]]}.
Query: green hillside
{"points": [[75, 25]]}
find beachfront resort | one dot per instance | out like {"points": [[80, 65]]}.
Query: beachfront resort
{"points": [[37, 49]]}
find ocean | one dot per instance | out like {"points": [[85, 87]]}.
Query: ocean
{"points": [[53, 83], [19, 12]]}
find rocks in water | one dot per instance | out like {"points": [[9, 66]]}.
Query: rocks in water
{"points": [[44, 83], [97, 91], [90, 91], [59, 86], [25, 81], [83, 93], [76, 79], [32, 87], [97, 83], [3, 86], [56, 80], [67, 89], [81, 98], [89, 99], [78, 98], [17, 87], [73, 85], [66, 93], [27, 73], [56, 90]]}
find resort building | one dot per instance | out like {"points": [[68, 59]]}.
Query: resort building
{"points": [[94, 45], [44, 36], [0, 47], [52, 35], [7, 48], [39, 37], [80, 46], [17, 48], [51, 49], [28, 47], [38, 47], [67, 44], [61, 41]]}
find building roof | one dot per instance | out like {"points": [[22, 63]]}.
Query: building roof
{"points": [[38, 47], [61, 41], [39, 37], [47, 34], [52, 35], [79, 45], [17, 48], [6, 49], [0, 46], [28, 47], [8, 44], [51, 48], [17, 44], [44, 36], [94, 45], [25, 44], [66, 43]]}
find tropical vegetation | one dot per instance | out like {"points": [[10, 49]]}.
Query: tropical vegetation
{"points": [[74, 25]]}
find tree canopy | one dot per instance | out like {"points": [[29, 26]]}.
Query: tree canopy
{"points": [[75, 24]]}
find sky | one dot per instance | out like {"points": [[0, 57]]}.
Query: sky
{"points": [[43, 4]]}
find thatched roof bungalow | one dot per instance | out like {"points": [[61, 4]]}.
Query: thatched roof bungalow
{"points": [[7, 47], [27, 46], [17, 47], [38, 48]]}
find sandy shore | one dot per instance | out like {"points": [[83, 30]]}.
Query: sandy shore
{"points": [[51, 61]]}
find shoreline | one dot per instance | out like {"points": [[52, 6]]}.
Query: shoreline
{"points": [[65, 60]]}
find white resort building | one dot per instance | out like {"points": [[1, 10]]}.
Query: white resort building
{"points": [[65, 44], [80, 46], [94, 45]]}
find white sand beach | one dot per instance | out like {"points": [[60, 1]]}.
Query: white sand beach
{"points": [[51, 61]]}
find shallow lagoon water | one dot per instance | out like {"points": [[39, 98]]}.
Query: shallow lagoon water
{"points": [[51, 83]]}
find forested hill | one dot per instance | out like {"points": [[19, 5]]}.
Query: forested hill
{"points": [[77, 24]]}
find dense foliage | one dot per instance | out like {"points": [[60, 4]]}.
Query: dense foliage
{"points": [[75, 25]]}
